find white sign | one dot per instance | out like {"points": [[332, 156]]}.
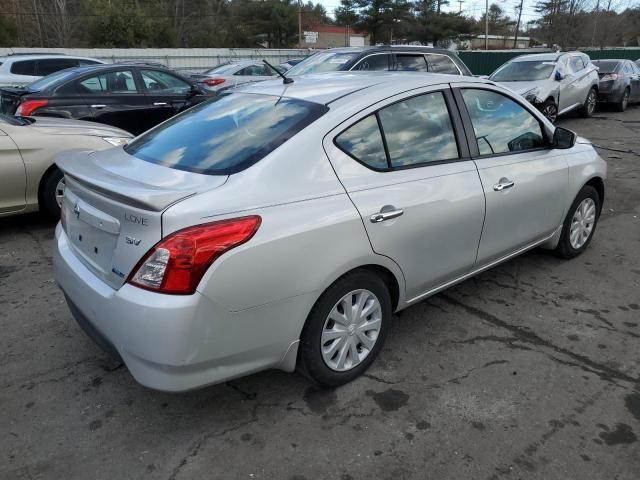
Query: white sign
{"points": [[310, 37]]}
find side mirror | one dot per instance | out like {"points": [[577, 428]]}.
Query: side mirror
{"points": [[563, 138], [558, 76]]}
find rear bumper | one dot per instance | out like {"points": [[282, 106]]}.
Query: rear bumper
{"points": [[173, 342]]}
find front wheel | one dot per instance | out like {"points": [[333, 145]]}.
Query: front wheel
{"points": [[580, 223], [589, 107], [345, 329], [550, 110]]}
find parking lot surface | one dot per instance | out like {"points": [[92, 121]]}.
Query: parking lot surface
{"points": [[528, 371]]}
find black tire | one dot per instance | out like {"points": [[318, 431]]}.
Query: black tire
{"points": [[311, 362], [550, 110], [48, 204], [621, 106], [564, 248], [589, 106]]}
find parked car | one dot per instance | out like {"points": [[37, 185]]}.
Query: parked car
{"points": [[276, 228], [233, 74], [19, 69], [403, 58], [619, 82], [29, 179], [133, 97], [556, 83], [289, 64]]}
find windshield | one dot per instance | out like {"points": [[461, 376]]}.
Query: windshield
{"points": [[226, 134], [220, 69], [606, 66], [46, 82], [523, 71], [322, 62]]}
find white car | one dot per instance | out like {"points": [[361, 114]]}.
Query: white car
{"points": [[231, 75], [18, 69], [555, 83]]}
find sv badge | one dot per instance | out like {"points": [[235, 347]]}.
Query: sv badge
{"points": [[132, 241]]}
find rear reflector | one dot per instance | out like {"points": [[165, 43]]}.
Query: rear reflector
{"points": [[212, 82], [177, 263], [27, 107]]}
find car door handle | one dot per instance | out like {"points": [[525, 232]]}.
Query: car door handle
{"points": [[160, 104], [386, 215], [98, 105], [503, 184]]}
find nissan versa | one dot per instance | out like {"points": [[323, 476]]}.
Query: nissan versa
{"points": [[280, 226]]}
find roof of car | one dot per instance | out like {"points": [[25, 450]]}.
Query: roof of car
{"points": [[327, 87], [388, 48], [43, 56], [544, 57]]}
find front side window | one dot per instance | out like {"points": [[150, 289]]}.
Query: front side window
{"points": [[417, 131], [252, 71], [441, 64], [112, 83], [411, 63], [164, 83], [373, 63], [227, 134], [501, 125]]}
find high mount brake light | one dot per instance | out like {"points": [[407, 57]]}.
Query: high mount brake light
{"points": [[177, 263]]}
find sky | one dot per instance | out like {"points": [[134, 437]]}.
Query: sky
{"points": [[474, 8]]}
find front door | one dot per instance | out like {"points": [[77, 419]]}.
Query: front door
{"points": [[416, 189], [12, 176], [166, 95], [524, 180]]}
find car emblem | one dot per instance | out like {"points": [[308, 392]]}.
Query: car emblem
{"points": [[132, 240], [76, 210]]}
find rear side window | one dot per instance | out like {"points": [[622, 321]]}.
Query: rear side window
{"points": [[109, 83], [253, 71], [411, 63], [441, 64], [24, 67], [417, 131], [227, 134], [500, 124], [48, 66]]}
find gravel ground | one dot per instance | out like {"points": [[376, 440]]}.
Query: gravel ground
{"points": [[528, 371]]}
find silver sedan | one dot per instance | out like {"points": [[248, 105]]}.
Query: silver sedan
{"points": [[281, 226], [233, 74]]}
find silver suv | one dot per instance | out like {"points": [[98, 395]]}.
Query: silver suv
{"points": [[556, 83], [19, 69]]}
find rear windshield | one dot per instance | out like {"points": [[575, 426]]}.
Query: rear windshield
{"points": [[322, 62], [49, 80], [227, 134], [221, 69], [606, 66]]}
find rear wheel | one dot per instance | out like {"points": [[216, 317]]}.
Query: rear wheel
{"points": [[345, 329], [51, 192], [589, 107], [580, 223], [621, 106], [550, 110]]}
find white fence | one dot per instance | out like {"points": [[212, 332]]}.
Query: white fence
{"points": [[194, 59]]}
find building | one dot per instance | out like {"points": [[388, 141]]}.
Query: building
{"points": [[330, 36]]}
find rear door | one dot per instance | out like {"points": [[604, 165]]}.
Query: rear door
{"points": [[13, 182], [406, 168], [524, 180], [114, 98], [635, 81], [166, 95]]}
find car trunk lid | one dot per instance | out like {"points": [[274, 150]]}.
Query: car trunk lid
{"points": [[113, 207], [10, 98]]}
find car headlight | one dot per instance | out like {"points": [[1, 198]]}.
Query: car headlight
{"points": [[116, 141], [532, 95]]}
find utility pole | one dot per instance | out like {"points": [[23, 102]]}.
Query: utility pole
{"points": [[460, 3], [299, 24], [515, 38], [486, 27]]}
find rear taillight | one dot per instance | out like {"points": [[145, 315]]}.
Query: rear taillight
{"points": [[178, 262], [27, 107], [212, 82], [609, 76]]}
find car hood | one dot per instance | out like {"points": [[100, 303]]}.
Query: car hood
{"points": [[63, 126], [524, 87]]}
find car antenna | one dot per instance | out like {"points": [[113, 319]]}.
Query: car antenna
{"points": [[286, 80]]}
